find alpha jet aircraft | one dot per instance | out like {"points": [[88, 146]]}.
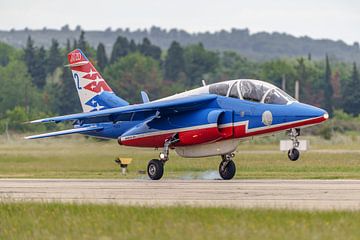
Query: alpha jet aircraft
{"points": [[206, 121]]}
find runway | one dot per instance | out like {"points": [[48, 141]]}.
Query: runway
{"points": [[293, 194]]}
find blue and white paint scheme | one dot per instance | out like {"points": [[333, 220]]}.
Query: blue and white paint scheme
{"points": [[206, 121]]}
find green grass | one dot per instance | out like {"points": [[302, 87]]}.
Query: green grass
{"points": [[77, 157], [70, 221]]}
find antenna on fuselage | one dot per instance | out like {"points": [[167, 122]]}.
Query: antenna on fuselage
{"points": [[203, 82], [283, 82], [297, 90]]}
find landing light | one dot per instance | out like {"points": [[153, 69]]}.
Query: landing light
{"points": [[162, 156], [326, 115]]}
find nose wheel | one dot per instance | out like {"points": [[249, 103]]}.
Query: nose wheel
{"points": [[155, 169], [227, 167], [294, 154]]}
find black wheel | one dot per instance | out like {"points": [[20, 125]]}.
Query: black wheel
{"points": [[293, 154], [227, 169], [155, 169]]}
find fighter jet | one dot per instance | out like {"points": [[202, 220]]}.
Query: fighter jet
{"points": [[207, 121]]}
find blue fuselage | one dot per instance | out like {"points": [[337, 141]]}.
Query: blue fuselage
{"points": [[224, 112]]}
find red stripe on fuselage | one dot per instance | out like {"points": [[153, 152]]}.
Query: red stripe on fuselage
{"points": [[239, 131]]}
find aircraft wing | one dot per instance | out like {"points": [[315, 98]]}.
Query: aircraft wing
{"points": [[65, 132], [135, 112]]}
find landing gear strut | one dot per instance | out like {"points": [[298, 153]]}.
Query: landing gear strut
{"points": [[155, 167], [293, 153], [227, 168]]}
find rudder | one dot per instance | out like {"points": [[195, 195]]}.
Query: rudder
{"points": [[94, 93]]}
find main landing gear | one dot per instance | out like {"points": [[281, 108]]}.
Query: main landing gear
{"points": [[227, 168], [294, 153], [155, 168]]}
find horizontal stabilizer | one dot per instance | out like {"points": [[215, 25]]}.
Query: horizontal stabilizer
{"points": [[65, 132]]}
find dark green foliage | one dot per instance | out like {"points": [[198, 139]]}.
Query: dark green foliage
{"points": [[132, 46], [54, 57], [328, 89], [16, 88], [351, 93], [6, 53], [274, 71], [64, 96], [260, 46], [174, 62], [198, 62], [101, 58], [139, 67], [30, 57], [234, 66], [82, 44], [149, 50], [68, 45], [120, 49], [39, 73], [35, 60], [133, 73]]}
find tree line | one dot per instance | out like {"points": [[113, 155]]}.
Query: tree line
{"points": [[259, 46], [35, 84]]}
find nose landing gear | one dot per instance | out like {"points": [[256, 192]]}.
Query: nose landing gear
{"points": [[155, 168], [294, 154], [227, 168]]}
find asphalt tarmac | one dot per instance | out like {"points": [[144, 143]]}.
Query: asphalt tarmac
{"points": [[292, 194]]}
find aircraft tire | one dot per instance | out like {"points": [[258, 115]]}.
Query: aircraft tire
{"points": [[227, 169], [293, 154], [155, 169]]}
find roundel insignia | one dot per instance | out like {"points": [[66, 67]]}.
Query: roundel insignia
{"points": [[267, 118]]}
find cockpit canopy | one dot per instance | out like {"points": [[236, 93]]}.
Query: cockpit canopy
{"points": [[252, 90]]}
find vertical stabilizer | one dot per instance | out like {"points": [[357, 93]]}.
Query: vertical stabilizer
{"points": [[94, 93]]}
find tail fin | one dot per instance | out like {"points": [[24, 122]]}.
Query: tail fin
{"points": [[94, 93]]}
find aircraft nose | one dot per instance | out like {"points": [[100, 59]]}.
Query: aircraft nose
{"points": [[308, 111]]}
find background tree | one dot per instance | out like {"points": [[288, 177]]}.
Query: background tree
{"points": [[234, 66], [64, 94], [17, 88], [101, 58], [120, 49], [147, 49], [198, 62], [274, 71], [6, 53], [351, 95], [174, 62], [133, 73], [39, 78], [54, 57], [82, 44], [29, 57], [328, 90], [132, 46]]}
